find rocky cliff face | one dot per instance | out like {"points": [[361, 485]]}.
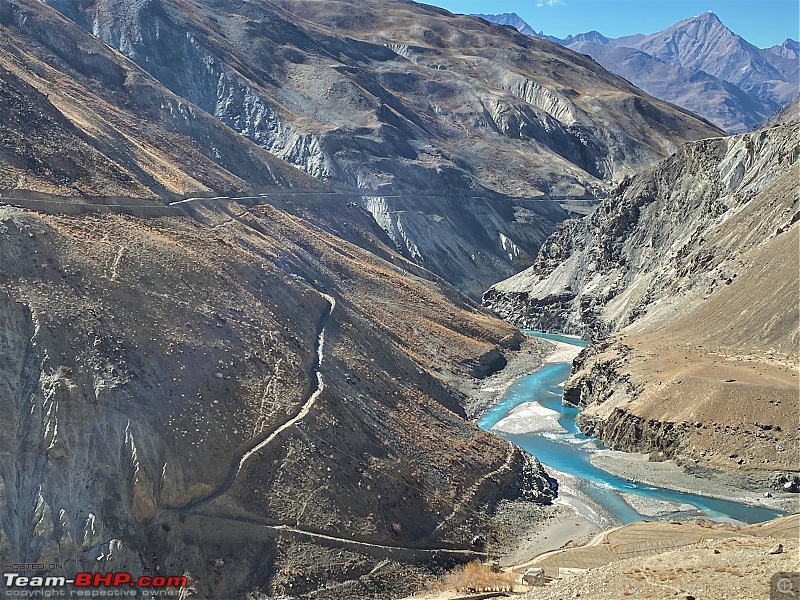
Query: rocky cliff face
{"points": [[466, 241], [92, 110], [453, 128], [203, 392], [647, 246], [689, 272]]}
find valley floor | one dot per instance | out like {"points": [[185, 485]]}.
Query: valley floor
{"points": [[642, 560], [667, 474], [521, 530], [482, 394]]}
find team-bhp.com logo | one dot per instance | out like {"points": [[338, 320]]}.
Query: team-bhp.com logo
{"points": [[87, 584]]}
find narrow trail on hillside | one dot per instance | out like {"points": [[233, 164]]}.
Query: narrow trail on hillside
{"points": [[312, 399], [330, 539], [263, 440], [473, 489]]}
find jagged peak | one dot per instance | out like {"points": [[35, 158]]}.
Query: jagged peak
{"points": [[508, 15], [707, 19], [709, 15], [590, 36], [708, 23], [509, 18], [503, 18]]}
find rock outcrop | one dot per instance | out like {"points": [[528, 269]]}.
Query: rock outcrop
{"points": [[687, 277], [662, 240], [788, 115]]}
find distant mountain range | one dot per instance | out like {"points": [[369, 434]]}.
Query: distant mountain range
{"points": [[698, 64]]}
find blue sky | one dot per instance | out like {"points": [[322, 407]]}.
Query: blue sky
{"points": [[761, 22]]}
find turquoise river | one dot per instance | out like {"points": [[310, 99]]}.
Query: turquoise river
{"points": [[570, 452]]}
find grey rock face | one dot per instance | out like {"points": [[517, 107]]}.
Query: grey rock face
{"points": [[644, 245], [788, 115], [466, 241], [383, 104]]}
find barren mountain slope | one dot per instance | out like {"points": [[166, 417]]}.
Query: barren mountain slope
{"points": [[697, 63], [396, 94], [703, 42], [788, 115], [649, 244], [141, 139], [459, 134], [694, 266], [229, 394], [43, 151]]}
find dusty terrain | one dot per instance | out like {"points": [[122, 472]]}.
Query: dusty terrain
{"points": [[461, 138], [81, 120], [662, 560], [695, 390], [202, 392], [260, 394], [669, 560]]}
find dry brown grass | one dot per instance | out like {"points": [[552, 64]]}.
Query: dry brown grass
{"points": [[476, 577]]}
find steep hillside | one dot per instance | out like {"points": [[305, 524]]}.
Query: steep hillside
{"points": [[42, 150], [201, 393], [789, 114], [101, 126], [648, 242], [692, 268], [403, 96], [449, 129]]}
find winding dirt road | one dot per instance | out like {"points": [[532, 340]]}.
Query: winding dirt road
{"points": [[261, 441]]}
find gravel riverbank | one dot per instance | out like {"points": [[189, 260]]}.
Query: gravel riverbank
{"points": [[667, 474], [522, 530], [482, 394]]}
